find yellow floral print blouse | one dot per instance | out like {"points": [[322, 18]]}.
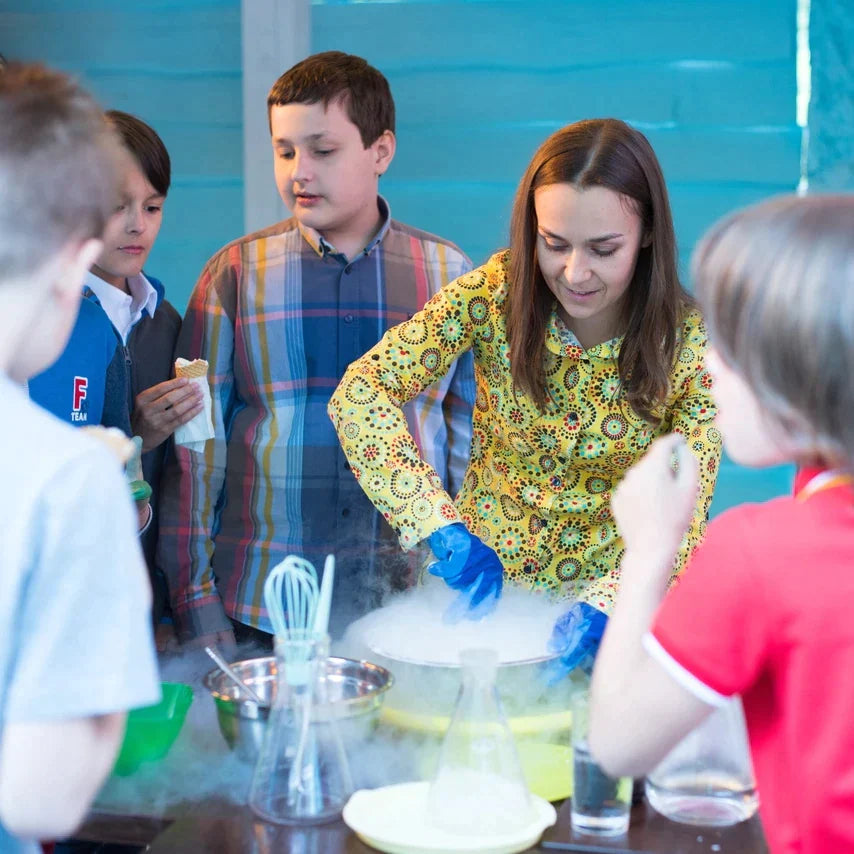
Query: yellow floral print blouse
{"points": [[538, 485]]}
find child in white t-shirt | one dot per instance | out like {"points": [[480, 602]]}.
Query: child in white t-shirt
{"points": [[75, 642]]}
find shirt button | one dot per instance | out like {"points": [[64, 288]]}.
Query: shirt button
{"points": [[348, 270], [348, 318], [345, 512]]}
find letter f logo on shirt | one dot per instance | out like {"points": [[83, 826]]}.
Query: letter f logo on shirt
{"points": [[80, 386]]}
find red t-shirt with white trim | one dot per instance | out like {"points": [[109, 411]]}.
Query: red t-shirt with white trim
{"points": [[765, 608]]}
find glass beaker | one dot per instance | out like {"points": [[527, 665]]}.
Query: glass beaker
{"points": [[600, 804], [707, 779], [479, 787], [302, 775]]}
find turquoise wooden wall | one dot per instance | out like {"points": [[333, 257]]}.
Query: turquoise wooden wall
{"points": [[831, 113], [177, 65], [478, 85]]}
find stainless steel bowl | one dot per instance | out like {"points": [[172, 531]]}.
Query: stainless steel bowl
{"points": [[355, 692]]}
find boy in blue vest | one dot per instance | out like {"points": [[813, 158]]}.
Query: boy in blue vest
{"points": [[86, 385], [116, 369]]}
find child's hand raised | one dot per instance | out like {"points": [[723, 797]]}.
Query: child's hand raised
{"points": [[654, 502], [160, 410]]}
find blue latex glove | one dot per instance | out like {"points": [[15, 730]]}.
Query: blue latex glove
{"points": [[469, 566], [575, 637]]}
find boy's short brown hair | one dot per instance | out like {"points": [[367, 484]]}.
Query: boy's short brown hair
{"points": [[332, 75], [145, 144], [57, 167]]}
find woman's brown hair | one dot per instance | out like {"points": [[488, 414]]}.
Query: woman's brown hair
{"points": [[600, 153]]}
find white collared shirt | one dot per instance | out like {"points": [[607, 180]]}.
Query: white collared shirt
{"points": [[124, 310]]}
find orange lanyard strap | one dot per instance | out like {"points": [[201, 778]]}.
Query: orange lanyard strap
{"points": [[822, 481]]}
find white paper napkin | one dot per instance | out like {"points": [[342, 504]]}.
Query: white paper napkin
{"points": [[197, 431]]}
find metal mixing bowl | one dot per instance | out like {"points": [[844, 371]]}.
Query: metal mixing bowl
{"points": [[355, 691]]}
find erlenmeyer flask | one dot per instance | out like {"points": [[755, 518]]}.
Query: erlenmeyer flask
{"points": [[707, 778], [479, 787], [302, 775]]}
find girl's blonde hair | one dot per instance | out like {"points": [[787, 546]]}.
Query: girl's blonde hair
{"points": [[776, 283]]}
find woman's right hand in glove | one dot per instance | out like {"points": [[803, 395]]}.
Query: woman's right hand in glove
{"points": [[467, 565]]}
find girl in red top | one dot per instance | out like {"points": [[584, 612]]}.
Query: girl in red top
{"points": [[764, 607]]}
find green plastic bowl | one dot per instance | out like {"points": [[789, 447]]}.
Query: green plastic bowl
{"points": [[151, 730]]}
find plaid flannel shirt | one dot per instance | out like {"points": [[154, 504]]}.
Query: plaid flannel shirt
{"points": [[279, 315]]}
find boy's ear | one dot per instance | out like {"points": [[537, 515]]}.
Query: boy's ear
{"points": [[384, 147], [78, 259]]}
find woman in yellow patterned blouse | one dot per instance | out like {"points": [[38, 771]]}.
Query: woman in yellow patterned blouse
{"points": [[586, 348]]}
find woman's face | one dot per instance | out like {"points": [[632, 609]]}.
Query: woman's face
{"points": [[587, 248], [133, 227]]}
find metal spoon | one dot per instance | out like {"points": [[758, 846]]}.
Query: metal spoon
{"points": [[224, 667]]}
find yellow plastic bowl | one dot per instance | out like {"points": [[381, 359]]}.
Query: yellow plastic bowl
{"points": [[524, 725], [541, 740]]}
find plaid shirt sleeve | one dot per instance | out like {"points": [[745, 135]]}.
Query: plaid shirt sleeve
{"points": [[445, 407], [458, 405], [194, 481], [366, 409]]}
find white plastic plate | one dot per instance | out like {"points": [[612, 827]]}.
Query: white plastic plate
{"points": [[394, 819]]}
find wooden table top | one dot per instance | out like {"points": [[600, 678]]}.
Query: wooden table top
{"points": [[231, 829]]}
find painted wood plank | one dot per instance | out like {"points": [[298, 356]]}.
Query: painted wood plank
{"points": [[696, 206], [498, 152], [198, 150], [177, 263], [519, 34], [200, 39], [476, 218], [739, 93], [211, 101], [177, 259], [831, 111], [43, 7], [202, 208], [477, 215]]}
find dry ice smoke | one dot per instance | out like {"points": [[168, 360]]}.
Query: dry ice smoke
{"points": [[199, 767], [411, 627], [409, 637], [201, 771], [201, 774]]}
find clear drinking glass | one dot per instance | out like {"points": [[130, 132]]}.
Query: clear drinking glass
{"points": [[302, 775], [600, 804], [479, 787], [707, 779]]}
